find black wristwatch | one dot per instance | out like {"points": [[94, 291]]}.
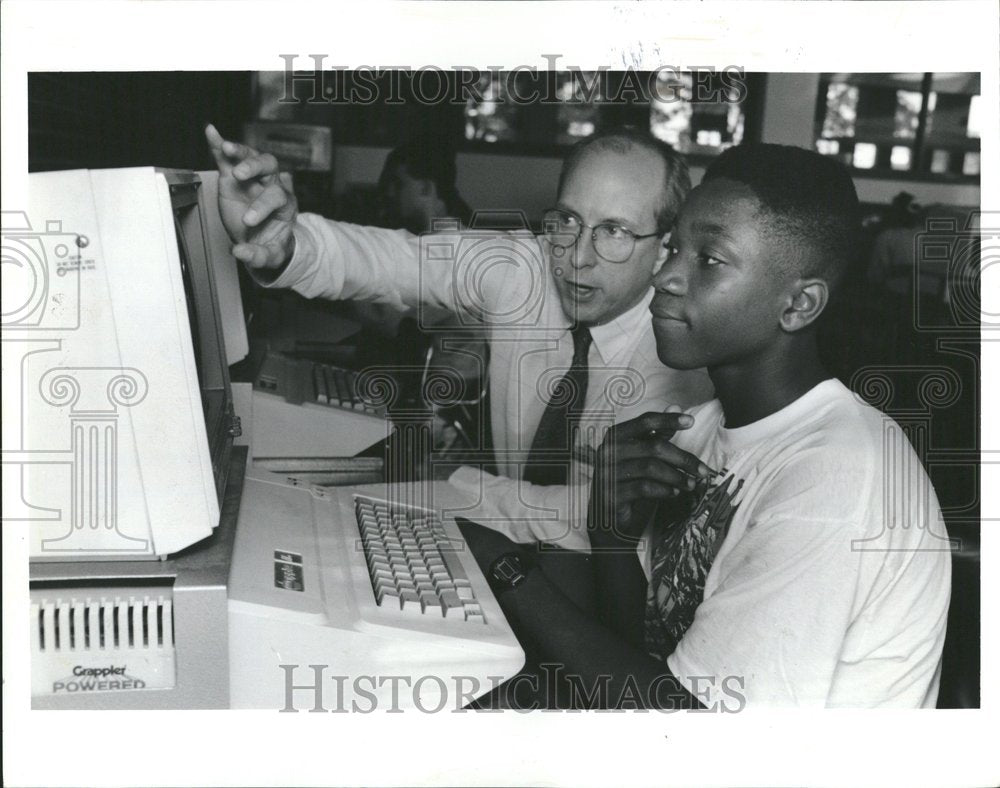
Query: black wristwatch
{"points": [[508, 572]]}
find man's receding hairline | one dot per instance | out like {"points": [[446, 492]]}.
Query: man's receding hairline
{"points": [[661, 180], [620, 146], [676, 181], [597, 147]]}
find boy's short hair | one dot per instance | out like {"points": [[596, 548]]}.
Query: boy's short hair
{"points": [[621, 140], [806, 199]]}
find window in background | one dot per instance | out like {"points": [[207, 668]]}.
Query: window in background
{"points": [[692, 126], [577, 117], [926, 124], [523, 112], [269, 90], [699, 115], [495, 117]]}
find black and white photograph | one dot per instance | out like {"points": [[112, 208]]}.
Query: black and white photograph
{"points": [[422, 393]]}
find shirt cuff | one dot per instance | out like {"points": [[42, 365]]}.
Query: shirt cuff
{"points": [[284, 277], [521, 511]]}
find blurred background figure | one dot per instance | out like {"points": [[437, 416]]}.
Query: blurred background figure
{"points": [[417, 186], [415, 189]]}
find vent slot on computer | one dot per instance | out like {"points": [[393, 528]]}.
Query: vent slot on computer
{"points": [[109, 622], [101, 637]]}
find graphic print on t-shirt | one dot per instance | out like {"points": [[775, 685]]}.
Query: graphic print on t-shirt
{"points": [[681, 561]]}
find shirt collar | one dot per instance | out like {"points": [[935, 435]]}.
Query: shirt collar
{"points": [[613, 337]]}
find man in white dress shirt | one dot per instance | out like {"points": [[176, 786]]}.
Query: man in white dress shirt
{"points": [[566, 314]]}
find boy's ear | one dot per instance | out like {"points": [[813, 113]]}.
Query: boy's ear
{"points": [[807, 302]]}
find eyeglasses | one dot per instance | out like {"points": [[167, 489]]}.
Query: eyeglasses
{"points": [[612, 242]]}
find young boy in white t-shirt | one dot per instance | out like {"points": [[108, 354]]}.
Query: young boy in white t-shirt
{"points": [[791, 549]]}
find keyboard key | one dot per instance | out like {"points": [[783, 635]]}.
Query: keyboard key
{"points": [[443, 584], [319, 385], [455, 568], [344, 397], [385, 592], [452, 605]]}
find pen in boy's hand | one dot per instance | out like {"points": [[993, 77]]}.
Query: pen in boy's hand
{"points": [[689, 420]]}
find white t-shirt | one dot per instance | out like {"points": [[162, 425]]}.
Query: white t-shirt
{"points": [[830, 581]]}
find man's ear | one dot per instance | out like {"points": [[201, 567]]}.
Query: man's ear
{"points": [[661, 253], [806, 302]]}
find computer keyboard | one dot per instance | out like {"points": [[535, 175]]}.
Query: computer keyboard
{"points": [[411, 562], [313, 381], [335, 386], [304, 408], [372, 581]]}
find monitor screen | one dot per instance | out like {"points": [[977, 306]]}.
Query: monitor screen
{"points": [[197, 269]]}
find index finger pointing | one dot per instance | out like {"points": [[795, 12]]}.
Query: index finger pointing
{"points": [[215, 143], [237, 150]]}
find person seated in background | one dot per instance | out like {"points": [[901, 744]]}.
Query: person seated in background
{"points": [[565, 314], [416, 188], [778, 546], [894, 268], [418, 185]]}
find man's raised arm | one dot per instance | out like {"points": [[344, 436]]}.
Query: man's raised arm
{"points": [[320, 258]]}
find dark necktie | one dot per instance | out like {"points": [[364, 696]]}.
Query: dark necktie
{"points": [[552, 439]]}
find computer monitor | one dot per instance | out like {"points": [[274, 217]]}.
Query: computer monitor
{"points": [[118, 434], [118, 418]]}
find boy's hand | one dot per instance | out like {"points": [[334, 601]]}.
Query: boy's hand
{"points": [[256, 203], [636, 467]]}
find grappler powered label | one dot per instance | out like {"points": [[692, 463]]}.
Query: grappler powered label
{"points": [[75, 674]]}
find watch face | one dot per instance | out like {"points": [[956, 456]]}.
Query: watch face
{"points": [[507, 569], [507, 572]]}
